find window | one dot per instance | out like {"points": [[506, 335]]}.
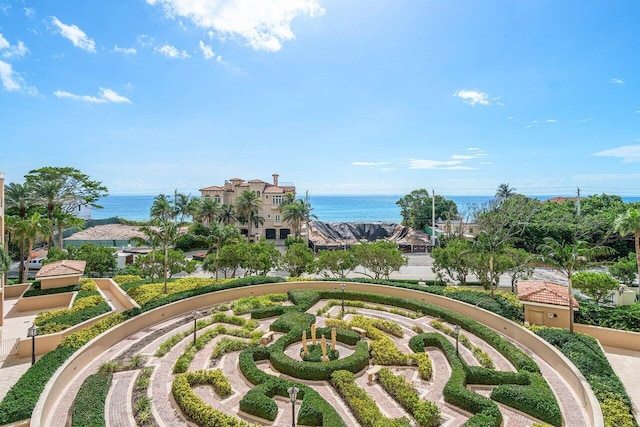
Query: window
{"points": [[207, 196], [277, 200], [277, 218], [258, 193], [217, 199]]}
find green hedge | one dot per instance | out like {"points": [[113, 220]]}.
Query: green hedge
{"points": [[36, 291], [425, 413], [315, 411], [585, 353], [195, 408], [486, 412], [623, 318], [88, 406], [364, 408], [264, 312], [292, 319]]}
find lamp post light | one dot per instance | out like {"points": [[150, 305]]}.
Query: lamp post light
{"points": [[456, 329], [293, 393], [196, 316], [33, 332], [343, 287]]}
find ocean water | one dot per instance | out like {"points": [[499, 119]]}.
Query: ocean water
{"points": [[353, 208]]}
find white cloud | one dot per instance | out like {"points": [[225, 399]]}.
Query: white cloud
{"points": [[124, 50], [369, 164], [12, 82], [15, 51], [4, 44], [473, 149], [462, 157], [616, 81], [628, 153], [474, 97], [145, 40], [105, 96], [75, 35], [207, 51], [29, 12], [585, 120], [433, 164], [264, 24], [538, 122], [171, 51]]}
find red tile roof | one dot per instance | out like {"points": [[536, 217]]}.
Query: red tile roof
{"points": [[212, 188], [272, 189], [257, 181], [544, 293], [62, 268], [560, 199]]}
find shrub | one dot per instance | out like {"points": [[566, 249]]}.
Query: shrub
{"points": [[293, 319], [385, 352], [85, 335], [426, 413], [124, 279], [364, 408], [245, 305], [425, 369], [36, 291], [193, 406], [88, 406]]}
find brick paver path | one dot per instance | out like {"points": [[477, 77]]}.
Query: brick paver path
{"points": [[168, 414], [119, 412]]}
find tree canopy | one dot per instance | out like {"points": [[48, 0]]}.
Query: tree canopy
{"points": [[416, 209]]}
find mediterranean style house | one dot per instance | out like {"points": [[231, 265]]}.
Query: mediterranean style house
{"points": [[2, 245], [271, 194]]}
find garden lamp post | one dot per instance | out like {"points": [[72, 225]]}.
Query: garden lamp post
{"points": [[293, 393], [196, 316], [33, 333], [456, 329], [343, 287]]}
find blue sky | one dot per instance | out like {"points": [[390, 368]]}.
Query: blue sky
{"points": [[337, 96]]}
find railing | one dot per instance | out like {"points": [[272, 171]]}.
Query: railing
{"points": [[9, 347]]}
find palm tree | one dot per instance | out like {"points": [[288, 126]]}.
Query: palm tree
{"points": [[504, 191], [5, 264], [65, 221], [227, 214], [182, 205], [193, 206], [247, 206], [21, 197], [162, 208], [162, 232], [295, 214], [629, 223], [568, 258], [216, 237], [31, 229], [51, 194], [208, 211]]}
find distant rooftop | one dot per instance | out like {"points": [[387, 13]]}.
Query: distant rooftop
{"points": [[544, 293], [62, 268]]}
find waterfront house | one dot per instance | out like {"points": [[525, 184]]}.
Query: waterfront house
{"points": [[272, 195]]}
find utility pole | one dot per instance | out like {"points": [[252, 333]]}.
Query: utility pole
{"points": [[433, 216], [578, 201]]}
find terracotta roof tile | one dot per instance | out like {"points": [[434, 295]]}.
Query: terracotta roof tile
{"points": [[544, 293], [212, 188], [62, 268], [273, 189]]}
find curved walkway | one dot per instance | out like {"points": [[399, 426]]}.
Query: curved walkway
{"points": [[168, 414]]}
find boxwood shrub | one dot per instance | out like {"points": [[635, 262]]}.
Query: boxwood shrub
{"points": [[88, 406]]}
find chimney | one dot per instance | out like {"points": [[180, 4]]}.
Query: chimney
{"points": [[275, 179]]}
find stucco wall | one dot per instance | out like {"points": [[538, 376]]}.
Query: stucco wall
{"points": [[59, 282], [46, 302], [122, 297], [14, 291], [611, 337], [84, 356], [561, 319]]}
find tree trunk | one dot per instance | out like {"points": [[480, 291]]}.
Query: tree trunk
{"points": [[21, 277], [166, 262], [25, 266], [636, 238], [570, 304], [491, 278]]}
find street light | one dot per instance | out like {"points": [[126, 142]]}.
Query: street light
{"points": [[196, 316], [343, 287], [33, 332], [456, 329], [293, 393]]}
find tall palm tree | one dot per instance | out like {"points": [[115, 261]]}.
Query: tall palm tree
{"points": [[629, 223], [193, 206], [247, 206], [31, 229], [227, 214], [21, 197], [163, 232], [216, 237], [208, 211], [504, 191], [162, 208], [182, 205], [294, 214], [51, 194], [65, 221], [568, 258]]}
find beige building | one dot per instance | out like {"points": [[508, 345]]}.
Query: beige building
{"points": [[545, 303], [272, 195], [3, 245]]}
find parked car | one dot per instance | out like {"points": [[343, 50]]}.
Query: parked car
{"points": [[35, 263]]}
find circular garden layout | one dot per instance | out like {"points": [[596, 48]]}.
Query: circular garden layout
{"points": [[388, 362]]}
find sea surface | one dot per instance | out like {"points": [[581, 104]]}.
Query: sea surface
{"points": [[342, 208]]}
